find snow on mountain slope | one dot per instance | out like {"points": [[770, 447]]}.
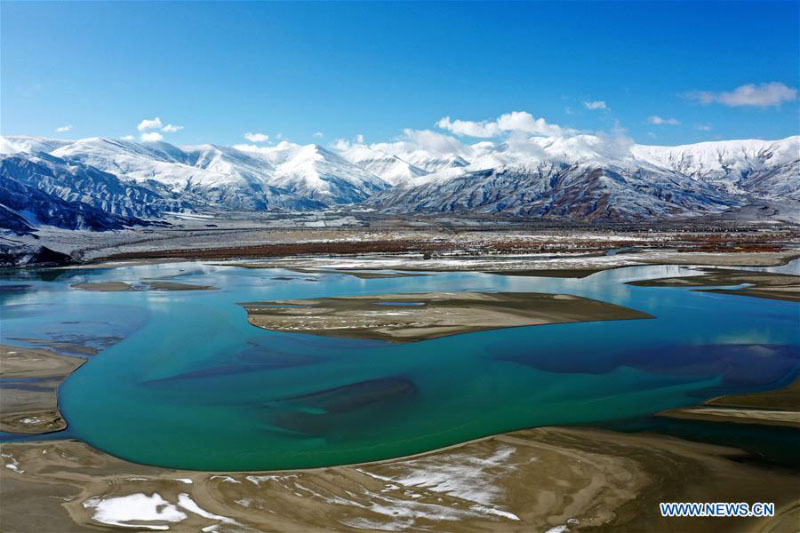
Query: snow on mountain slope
{"points": [[41, 189], [24, 143], [558, 190], [313, 172], [433, 162], [202, 176], [388, 167], [770, 169], [586, 177], [580, 177], [141, 162], [78, 183]]}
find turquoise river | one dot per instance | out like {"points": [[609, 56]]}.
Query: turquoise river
{"points": [[182, 380]]}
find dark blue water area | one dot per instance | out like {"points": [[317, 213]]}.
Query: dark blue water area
{"points": [[774, 445]]}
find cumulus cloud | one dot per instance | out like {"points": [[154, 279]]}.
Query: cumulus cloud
{"points": [[659, 121], [411, 140], [360, 138], [342, 144], [157, 124], [703, 127], [754, 95], [151, 136], [615, 143], [63, 129], [432, 141], [516, 121], [318, 134], [256, 137], [150, 124], [128, 138], [595, 105]]}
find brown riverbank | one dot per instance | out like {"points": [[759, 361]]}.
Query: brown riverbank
{"points": [[29, 381], [778, 407], [530, 480]]}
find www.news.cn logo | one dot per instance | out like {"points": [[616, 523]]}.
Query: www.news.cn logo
{"points": [[721, 509]]}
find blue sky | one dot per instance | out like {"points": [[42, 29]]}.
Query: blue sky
{"points": [[715, 70]]}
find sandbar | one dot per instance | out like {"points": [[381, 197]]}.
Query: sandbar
{"points": [[777, 407], [416, 317], [768, 285], [145, 285], [29, 381]]}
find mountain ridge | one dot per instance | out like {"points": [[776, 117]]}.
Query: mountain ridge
{"points": [[578, 178]]}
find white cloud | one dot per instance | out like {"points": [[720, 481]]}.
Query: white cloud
{"points": [[411, 140], [152, 136], [659, 121], [171, 128], [751, 94], [128, 138], [516, 121], [432, 141], [63, 129], [597, 104], [360, 138], [703, 127], [150, 124], [256, 137], [318, 134], [342, 144]]}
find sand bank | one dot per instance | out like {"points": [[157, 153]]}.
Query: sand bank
{"points": [[144, 285], [530, 480], [414, 317], [29, 381], [761, 284], [779, 407], [362, 274], [559, 264]]}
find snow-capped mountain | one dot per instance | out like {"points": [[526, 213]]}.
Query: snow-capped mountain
{"points": [[388, 167], [101, 183], [45, 190], [199, 176], [316, 173], [75, 182], [769, 169], [558, 191], [586, 177], [31, 145]]}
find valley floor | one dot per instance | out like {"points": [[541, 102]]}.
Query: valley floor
{"points": [[543, 479], [429, 243]]}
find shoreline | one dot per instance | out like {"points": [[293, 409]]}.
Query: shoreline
{"points": [[500, 481], [29, 381], [636, 470], [627, 473]]}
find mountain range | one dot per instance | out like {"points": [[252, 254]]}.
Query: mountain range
{"points": [[100, 184]]}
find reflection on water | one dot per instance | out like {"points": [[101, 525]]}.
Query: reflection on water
{"points": [[194, 385]]}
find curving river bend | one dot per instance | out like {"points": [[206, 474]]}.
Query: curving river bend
{"points": [[193, 385]]}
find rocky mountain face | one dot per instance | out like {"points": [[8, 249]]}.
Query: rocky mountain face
{"points": [[101, 184], [587, 178]]}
